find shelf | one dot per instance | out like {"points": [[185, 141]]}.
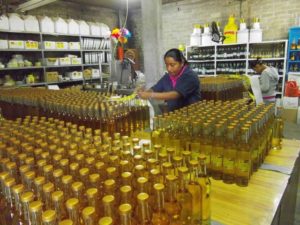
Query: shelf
{"points": [[235, 44], [96, 64], [233, 60], [58, 34], [268, 42], [200, 61], [93, 36], [293, 73], [267, 59], [22, 68], [63, 66], [297, 50], [60, 50], [20, 50], [19, 32], [293, 61], [96, 50]]}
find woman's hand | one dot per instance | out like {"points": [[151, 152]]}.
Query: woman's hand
{"points": [[144, 94]]}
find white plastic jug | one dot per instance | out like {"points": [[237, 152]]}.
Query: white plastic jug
{"points": [[4, 22], [196, 36], [47, 25], [31, 24], [16, 23], [84, 28]]}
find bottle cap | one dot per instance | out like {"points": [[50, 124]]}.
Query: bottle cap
{"points": [[72, 203], [48, 187], [171, 177], [202, 157], [77, 186], [64, 162], [88, 212], [67, 179], [194, 163], [41, 163], [74, 166], [159, 186], [39, 181], [27, 197], [11, 165], [94, 177], [30, 175], [4, 175], [90, 160], [84, 171], [92, 192], [35, 206], [142, 180], [105, 221], [109, 182], [57, 173], [108, 198], [125, 208], [125, 189], [183, 170], [143, 196], [57, 196], [126, 174], [9, 182], [17, 189], [48, 216]]}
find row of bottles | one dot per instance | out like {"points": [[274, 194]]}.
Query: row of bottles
{"points": [[295, 45], [279, 65], [52, 171], [295, 56], [203, 68], [231, 68], [294, 67], [267, 50], [234, 136], [221, 88], [207, 53], [91, 109], [232, 52]]}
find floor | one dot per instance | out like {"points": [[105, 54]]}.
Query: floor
{"points": [[292, 131]]}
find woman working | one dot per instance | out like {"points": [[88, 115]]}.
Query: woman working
{"points": [[179, 87], [268, 79]]}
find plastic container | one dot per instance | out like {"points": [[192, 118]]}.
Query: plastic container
{"points": [[73, 26], [31, 24], [47, 25], [196, 36], [206, 36], [16, 23], [243, 33], [255, 35], [104, 30], [4, 22], [61, 26], [84, 28], [230, 31], [95, 29]]}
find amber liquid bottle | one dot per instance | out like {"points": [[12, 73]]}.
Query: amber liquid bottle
{"points": [[159, 216], [143, 213], [171, 204], [217, 152], [277, 131], [206, 144]]}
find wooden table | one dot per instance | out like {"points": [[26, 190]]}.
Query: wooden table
{"points": [[270, 197]]}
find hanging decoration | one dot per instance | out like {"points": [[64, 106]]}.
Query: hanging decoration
{"points": [[121, 35]]}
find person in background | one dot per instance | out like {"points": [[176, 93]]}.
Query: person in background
{"points": [[268, 79], [180, 85]]}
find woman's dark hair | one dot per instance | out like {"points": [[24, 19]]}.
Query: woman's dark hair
{"points": [[258, 61], [177, 55]]}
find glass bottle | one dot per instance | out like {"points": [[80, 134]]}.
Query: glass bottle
{"points": [[126, 218], [39, 182], [172, 206], [94, 180], [143, 209], [106, 221], [126, 178], [57, 176], [159, 215], [49, 217], [78, 192], [217, 152], [17, 191], [109, 206], [277, 130], [206, 143], [195, 189], [58, 205], [89, 216], [35, 209], [66, 185], [72, 206], [205, 189], [29, 179], [184, 198], [26, 198], [48, 188], [126, 195]]}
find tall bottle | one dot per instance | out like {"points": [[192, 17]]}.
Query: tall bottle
{"points": [[58, 205], [35, 209], [72, 206], [159, 216], [195, 189], [89, 215], [217, 153], [171, 204], [277, 130], [206, 144], [143, 209], [205, 188], [125, 212], [184, 198], [49, 217]]}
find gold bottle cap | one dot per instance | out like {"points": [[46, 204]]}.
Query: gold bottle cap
{"points": [[30, 175], [113, 158], [194, 162], [29, 160], [159, 186], [202, 157], [162, 155], [170, 150], [11, 165], [92, 152], [99, 165], [125, 208], [88, 212], [183, 169], [125, 189], [90, 160], [27, 197], [57, 196], [171, 177], [138, 157], [9, 182], [142, 180], [137, 148], [126, 174], [4, 175], [72, 203], [19, 188], [157, 147], [186, 153], [143, 196], [74, 166], [64, 162], [127, 145], [47, 168], [167, 165], [45, 155], [108, 198], [57, 173], [109, 182], [41, 163], [139, 167], [84, 171], [48, 216], [57, 157], [94, 177], [105, 221], [146, 144], [111, 170], [79, 157], [67, 179], [39, 181], [135, 140], [22, 156], [48, 187], [155, 171], [77, 186], [35, 206], [123, 163], [92, 192], [177, 158], [53, 147]]}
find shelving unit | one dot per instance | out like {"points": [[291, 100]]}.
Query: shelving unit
{"points": [[235, 58], [19, 73]]}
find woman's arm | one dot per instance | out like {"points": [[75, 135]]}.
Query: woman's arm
{"points": [[149, 94]]}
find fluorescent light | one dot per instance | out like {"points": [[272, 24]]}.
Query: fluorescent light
{"points": [[33, 4]]}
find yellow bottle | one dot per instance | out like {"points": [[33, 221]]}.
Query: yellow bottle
{"points": [[230, 31]]}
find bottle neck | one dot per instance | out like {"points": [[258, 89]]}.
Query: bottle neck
{"points": [[125, 219], [159, 201], [143, 212]]}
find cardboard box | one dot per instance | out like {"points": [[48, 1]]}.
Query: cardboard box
{"points": [[51, 62], [290, 102], [65, 61], [3, 44], [75, 75], [74, 45], [31, 45], [62, 45], [95, 73], [51, 77], [50, 45], [290, 115], [76, 61], [17, 44]]}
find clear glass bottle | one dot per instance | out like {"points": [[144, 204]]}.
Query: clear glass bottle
{"points": [[29, 178], [184, 198], [106, 221], [277, 130], [229, 158], [217, 152], [17, 191], [126, 178], [39, 182], [48, 188], [35, 209], [78, 192], [89, 215], [159, 215], [72, 206], [126, 195], [109, 206], [125, 212], [171, 204], [26, 198], [67, 181], [143, 213], [93, 199], [58, 205], [49, 217]]}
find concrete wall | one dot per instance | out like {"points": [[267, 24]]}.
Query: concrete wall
{"points": [[79, 11]]}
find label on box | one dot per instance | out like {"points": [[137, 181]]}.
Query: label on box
{"points": [[74, 45], [31, 45], [49, 44], [65, 61], [76, 61], [51, 62], [16, 44], [62, 45], [290, 102]]}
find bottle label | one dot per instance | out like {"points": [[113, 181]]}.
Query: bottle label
{"points": [[228, 164]]}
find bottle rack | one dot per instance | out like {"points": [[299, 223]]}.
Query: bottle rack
{"points": [[236, 58], [96, 56], [293, 57]]}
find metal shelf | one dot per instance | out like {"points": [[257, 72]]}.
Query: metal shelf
{"points": [[95, 50], [20, 50], [266, 59], [200, 61], [22, 68], [63, 66], [19, 32], [61, 50], [233, 60], [59, 34], [294, 61]]}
